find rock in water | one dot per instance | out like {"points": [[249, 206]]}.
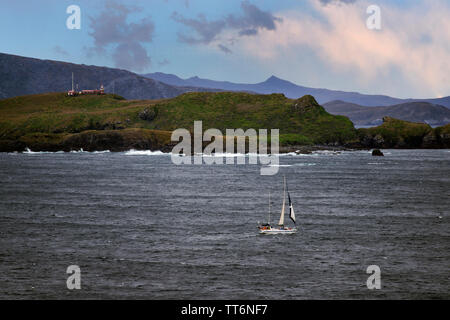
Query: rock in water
{"points": [[377, 153]]}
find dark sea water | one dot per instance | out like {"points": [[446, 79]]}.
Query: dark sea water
{"points": [[140, 227]]}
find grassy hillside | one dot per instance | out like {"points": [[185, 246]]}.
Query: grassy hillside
{"points": [[394, 133], [300, 121], [57, 116], [54, 122]]}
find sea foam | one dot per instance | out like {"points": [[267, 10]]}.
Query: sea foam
{"points": [[133, 152]]}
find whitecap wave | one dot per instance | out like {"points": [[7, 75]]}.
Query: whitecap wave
{"points": [[327, 152], [305, 164], [28, 151], [223, 155], [77, 151], [293, 154], [133, 152], [280, 165]]}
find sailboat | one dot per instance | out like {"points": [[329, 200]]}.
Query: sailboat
{"points": [[267, 228]]}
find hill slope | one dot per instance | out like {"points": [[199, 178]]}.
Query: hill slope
{"points": [[424, 112], [21, 76], [395, 133], [303, 119], [54, 117], [54, 121]]}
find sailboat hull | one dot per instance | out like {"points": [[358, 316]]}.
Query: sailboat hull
{"points": [[278, 231]]}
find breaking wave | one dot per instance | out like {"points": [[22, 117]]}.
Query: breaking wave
{"points": [[28, 151], [224, 155], [133, 152], [307, 164], [280, 165]]}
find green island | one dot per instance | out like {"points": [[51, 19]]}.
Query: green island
{"points": [[55, 121]]}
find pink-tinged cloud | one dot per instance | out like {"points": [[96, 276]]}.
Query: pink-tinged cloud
{"points": [[414, 43]]}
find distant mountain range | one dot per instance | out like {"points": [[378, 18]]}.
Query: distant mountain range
{"points": [[424, 112], [22, 76], [291, 90]]}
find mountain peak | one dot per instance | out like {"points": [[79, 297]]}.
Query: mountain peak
{"points": [[273, 78], [277, 82]]}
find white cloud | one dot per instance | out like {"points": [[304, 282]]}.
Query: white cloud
{"points": [[413, 46]]}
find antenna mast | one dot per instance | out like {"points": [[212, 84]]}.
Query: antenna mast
{"points": [[72, 81]]}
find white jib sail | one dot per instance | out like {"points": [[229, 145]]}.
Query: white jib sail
{"points": [[292, 214]]}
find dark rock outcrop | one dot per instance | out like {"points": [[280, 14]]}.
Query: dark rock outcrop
{"points": [[377, 153], [148, 114]]}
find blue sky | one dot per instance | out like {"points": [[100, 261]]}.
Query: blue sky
{"points": [[317, 43]]}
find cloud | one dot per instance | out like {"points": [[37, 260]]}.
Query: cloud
{"points": [[206, 30], [60, 51], [224, 48], [253, 19], [249, 23], [111, 30], [248, 32], [163, 63], [412, 49], [326, 2]]}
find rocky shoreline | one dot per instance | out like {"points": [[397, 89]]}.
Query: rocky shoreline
{"points": [[314, 148], [145, 139], [108, 142]]}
